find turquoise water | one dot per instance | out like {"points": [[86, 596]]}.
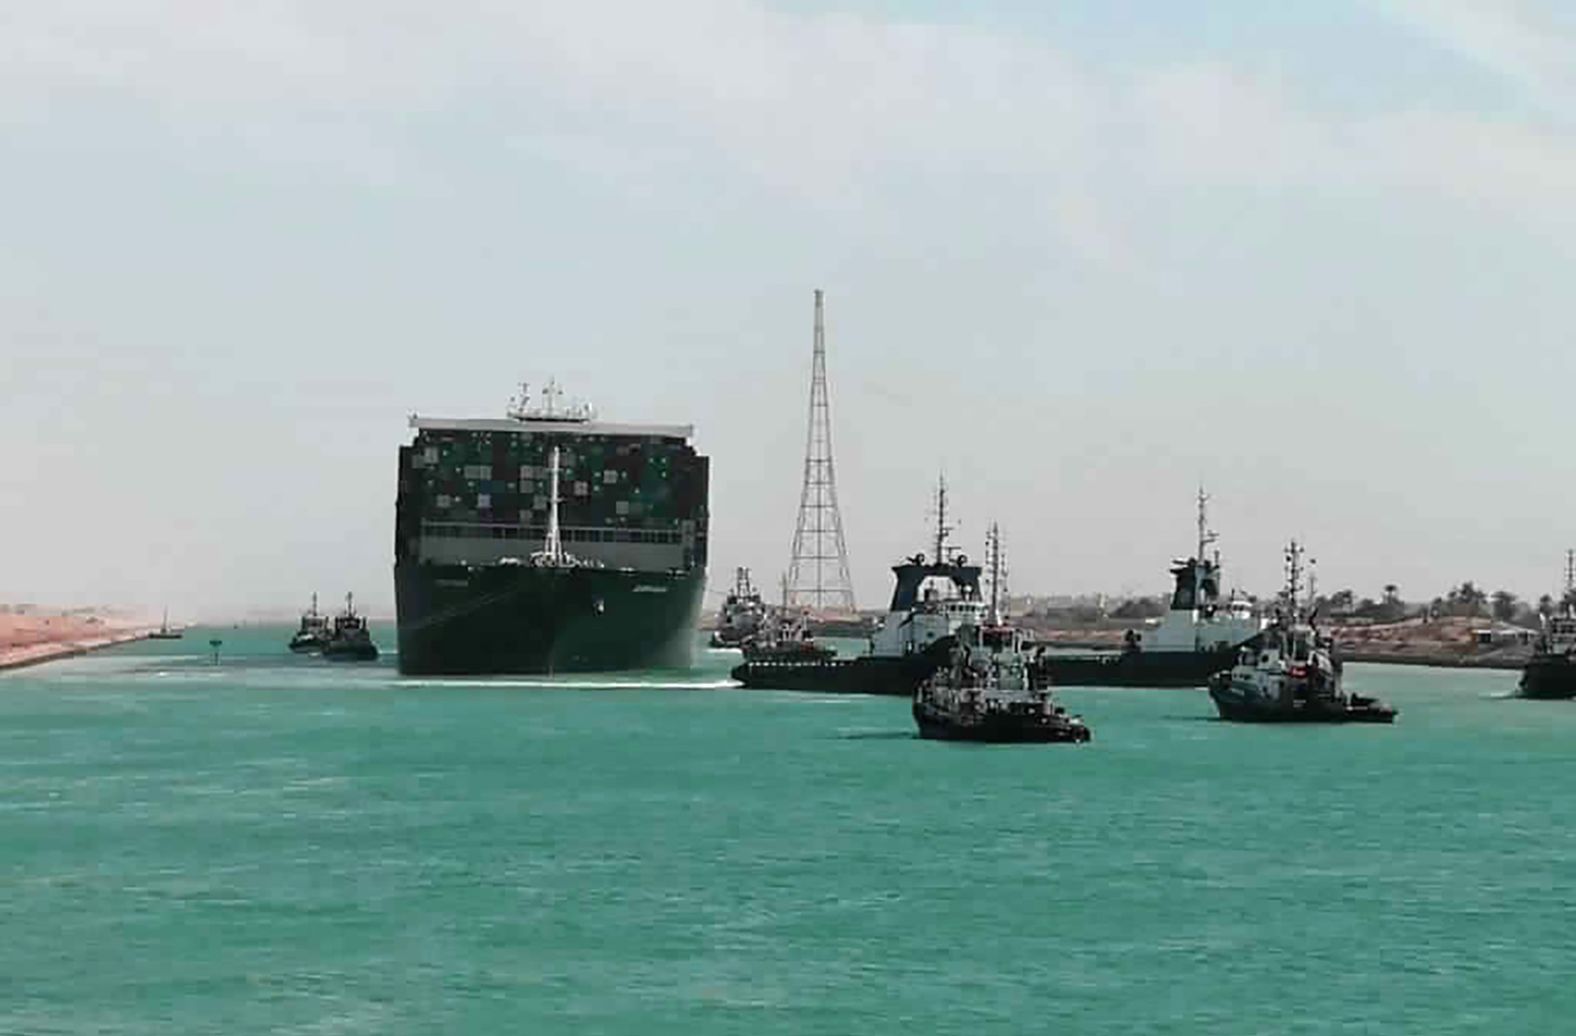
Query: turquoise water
{"points": [[278, 844]]}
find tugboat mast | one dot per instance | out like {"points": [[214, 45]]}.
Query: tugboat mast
{"points": [[1206, 535], [997, 574], [1294, 552], [943, 530]]}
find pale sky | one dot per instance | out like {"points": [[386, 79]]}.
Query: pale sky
{"points": [[1079, 256]]}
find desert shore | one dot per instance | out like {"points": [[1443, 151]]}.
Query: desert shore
{"points": [[35, 637], [1449, 642]]}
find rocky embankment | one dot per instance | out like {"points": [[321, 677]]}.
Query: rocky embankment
{"points": [[34, 637]]}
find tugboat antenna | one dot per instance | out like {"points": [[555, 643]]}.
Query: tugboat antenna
{"points": [[1206, 535], [943, 530], [1294, 552], [997, 574]]}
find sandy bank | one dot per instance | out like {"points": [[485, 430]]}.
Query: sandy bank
{"points": [[31, 639], [1449, 642]]}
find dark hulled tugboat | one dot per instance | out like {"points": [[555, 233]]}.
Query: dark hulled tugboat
{"points": [[350, 640], [1197, 636], [1551, 671], [988, 689], [313, 633], [1286, 674], [931, 601], [742, 613]]}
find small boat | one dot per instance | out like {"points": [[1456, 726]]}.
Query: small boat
{"points": [[742, 615], [785, 637], [350, 640], [164, 632], [314, 632], [989, 689], [1288, 673]]}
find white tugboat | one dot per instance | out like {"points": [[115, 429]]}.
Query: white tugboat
{"points": [[988, 689], [742, 614], [1197, 636], [932, 600], [1286, 674], [314, 631]]}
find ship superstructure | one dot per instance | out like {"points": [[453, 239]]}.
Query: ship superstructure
{"points": [[547, 540]]}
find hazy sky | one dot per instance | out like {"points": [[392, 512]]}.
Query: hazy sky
{"points": [[1080, 256]]}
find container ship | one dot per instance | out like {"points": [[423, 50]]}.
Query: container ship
{"points": [[548, 541]]}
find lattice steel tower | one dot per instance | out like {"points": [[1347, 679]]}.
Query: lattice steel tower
{"points": [[818, 574]]}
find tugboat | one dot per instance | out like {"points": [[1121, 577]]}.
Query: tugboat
{"points": [[350, 640], [784, 636], [988, 690], [164, 632], [933, 598], [1286, 674], [1551, 671], [314, 632], [742, 613], [1197, 637]]}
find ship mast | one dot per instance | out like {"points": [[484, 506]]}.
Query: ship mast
{"points": [[553, 549], [1294, 552], [997, 574], [943, 530], [1570, 573], [1206, 535]]}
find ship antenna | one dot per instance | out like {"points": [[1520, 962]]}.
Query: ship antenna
{"points": [[553, 549], [519, 406], [1294, 552], [1206, 535], [993, 551], [1570, 572], [943, 530], [314, 603]]}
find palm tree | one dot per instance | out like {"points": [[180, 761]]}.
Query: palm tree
{"points": [[1469, 597]]}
